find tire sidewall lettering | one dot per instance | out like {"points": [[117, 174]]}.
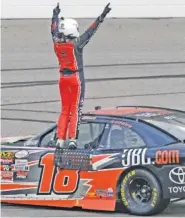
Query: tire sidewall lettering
{"points": [[124, 188]]}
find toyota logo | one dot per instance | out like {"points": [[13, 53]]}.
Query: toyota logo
{"points": [[177, 175]]}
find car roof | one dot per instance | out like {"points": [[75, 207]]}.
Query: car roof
{"points": [[130, 111]]}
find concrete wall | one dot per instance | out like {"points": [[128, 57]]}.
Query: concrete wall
{"points": [[91, 9]]}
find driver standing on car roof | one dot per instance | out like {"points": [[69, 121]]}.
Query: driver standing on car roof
{"points": [[68, 47]]}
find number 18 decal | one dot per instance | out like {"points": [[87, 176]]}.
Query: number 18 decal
{"points": [[55, 180]]}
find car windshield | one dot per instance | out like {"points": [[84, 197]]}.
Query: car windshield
{"points": [[174, 123]]}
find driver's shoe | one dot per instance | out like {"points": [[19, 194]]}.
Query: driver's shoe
{"points": [[60, 143], [72, 144]]}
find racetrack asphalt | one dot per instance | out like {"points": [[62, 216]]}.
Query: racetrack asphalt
{"points": [[128, 62]]}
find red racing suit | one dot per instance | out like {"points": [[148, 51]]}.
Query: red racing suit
{"points": [[72, 81]]}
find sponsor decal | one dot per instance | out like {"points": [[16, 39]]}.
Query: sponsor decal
{"points": [[122, 123], [135, 157], [105, 192], [21, 175], [6, 168], [123, 197], [20, 165], [123, 191], [7, 175], [130, 174], [110, 192], [21, 154], [101, 192], [20, 168], [167, 157], [154, 197], [6, 154], [6, 157], [176, 189], [6, 161], [177, 175], [91, 194], [21, 162]]}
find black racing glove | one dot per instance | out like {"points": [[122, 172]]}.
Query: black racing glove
{"points": [[56, 10], [106, 10]]}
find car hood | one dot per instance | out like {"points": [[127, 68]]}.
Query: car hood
{"points": [[15, 140]]}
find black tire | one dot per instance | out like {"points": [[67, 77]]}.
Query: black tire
{"points": [[141, 193]]}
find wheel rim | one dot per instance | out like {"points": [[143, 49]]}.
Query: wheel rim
{"points": [[140, 190]]}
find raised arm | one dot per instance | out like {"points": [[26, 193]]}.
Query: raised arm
{"points": [[54, 24], [86, 36]]}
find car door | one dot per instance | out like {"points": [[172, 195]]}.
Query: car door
{"points": [[33, 175]]}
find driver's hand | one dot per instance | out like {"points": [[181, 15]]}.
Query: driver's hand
{"points": [[106, 10], [56, 10]]}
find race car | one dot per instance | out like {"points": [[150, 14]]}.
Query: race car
{"points": [[129, 159]]}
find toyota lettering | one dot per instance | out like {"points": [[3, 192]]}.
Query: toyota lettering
{"points": [[176, 189]]}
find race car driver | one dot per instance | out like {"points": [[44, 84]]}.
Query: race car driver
{"points": [[68, 47]]}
